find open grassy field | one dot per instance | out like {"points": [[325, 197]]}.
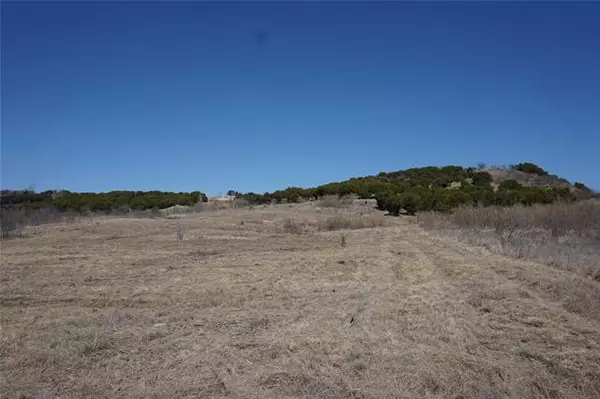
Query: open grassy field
{"points": [[274, 302]]}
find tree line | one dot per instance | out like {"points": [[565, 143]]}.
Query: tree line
{"points": [[97, 202], [404, 191], [430, 189]]}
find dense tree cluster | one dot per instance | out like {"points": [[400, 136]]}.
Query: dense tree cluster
{"points": [[582, 187], [98, 202], [528, 167], [429, 188], [404, 191]]}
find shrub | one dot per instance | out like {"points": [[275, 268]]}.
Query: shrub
{"points": [[351, 222], [510, 184], [388, 202], [562, 193], [481, 178], [410, 202], [582, 187], [336, 223], [14, 218], [528, 167], [453, 198], [334, 201], [10, 220], [180, 232], [562, 235], [291, 226], [239, 203]]}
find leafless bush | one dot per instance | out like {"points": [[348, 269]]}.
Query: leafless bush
{"points": [[200, 207], [351, 222], [580, 218], [336, 223], [566, 235], [9, 222], [12, 220], [292, 226], [347, 221], [239, 203], [180, 232], [334, 201]]}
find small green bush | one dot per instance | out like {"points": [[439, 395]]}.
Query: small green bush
{"points": [[481, 179], [510, 184], [582, 187]]}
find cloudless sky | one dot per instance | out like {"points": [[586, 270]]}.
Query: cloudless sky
{"points": [[257, 96]]}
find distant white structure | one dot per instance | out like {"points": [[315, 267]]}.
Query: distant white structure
{"points": [[222, 198]]}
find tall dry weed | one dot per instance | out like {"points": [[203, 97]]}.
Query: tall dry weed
{"points": [[566, 235], [334, 201]]}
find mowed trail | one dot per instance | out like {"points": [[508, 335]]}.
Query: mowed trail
{"points": [[120, 308]]}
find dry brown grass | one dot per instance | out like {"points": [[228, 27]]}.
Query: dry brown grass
{"points": [[566, 236], [352, 222], [338, 221], [180, 232], [115, 307], [12, 220], [335, 201]]}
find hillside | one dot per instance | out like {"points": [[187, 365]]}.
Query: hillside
{"points": [[410, 191], [529, 179], [326, 298], [443, 188]]}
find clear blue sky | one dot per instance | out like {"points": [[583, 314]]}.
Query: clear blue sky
{"points": [[260, 96]]}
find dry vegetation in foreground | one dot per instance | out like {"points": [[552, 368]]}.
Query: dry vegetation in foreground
{"points": [[347, 221], [225, 303], [563, 235], [14, 220]]}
